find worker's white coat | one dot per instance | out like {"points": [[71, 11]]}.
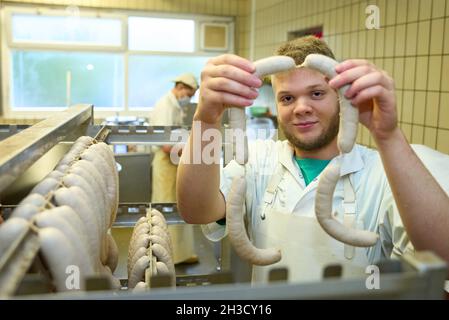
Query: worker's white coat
{"points": [[290, 218], [167, 111]]}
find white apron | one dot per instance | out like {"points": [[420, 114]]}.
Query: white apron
{"points": [[306, 249]]}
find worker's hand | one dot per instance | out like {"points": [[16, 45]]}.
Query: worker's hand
{"points": [[226, 80], [372, 91], [167, 148]]}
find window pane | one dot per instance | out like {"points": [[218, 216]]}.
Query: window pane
{"points": [[66, 30], [150, 77], [39, 79], [154, 34]]}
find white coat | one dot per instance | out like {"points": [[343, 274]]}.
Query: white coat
{"points": [[167, 111], [375, 207]]}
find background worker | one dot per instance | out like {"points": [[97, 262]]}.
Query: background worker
{"points": [[169, 112]]}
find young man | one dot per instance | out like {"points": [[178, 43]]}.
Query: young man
{"points": [[389, 191]]}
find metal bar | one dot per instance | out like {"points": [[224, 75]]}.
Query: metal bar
{"points": [[404, 285], [128, 213], [7, 130], [204, 279], [16, 260], [21, 150], [154, 135], [102, 134], [411, 284], [426, 262]]}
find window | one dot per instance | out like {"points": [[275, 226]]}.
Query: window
{"points": [[75, 77], [153, 34], [151, 75], [116, 61], [27, 28]]}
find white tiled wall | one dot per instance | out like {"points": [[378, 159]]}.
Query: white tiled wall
{"points": [[412, 45]]}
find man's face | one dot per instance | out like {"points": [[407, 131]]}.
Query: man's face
{"points": [[308, 111], [183, 92], [187, 92]]}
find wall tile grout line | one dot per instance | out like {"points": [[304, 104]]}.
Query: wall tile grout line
{"points": [[441, 80], [427, 77]]}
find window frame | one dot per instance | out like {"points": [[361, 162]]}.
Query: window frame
{"points": [[9, 12], [7, 46]]}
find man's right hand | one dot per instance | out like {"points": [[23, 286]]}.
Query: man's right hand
{"points": [[226, 80]]}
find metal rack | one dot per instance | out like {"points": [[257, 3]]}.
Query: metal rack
{"points": [[413, 277], [20, 149], [419, 276], [23, 145]]}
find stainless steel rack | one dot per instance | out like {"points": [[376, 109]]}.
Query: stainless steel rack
{"points": [[418, 276]]}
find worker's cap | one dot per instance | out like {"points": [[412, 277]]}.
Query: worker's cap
{"points": [[187, 79]]}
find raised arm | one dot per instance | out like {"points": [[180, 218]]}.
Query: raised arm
{"points": [[422, 203], [227, 80]]}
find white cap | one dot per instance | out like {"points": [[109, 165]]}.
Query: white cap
{"points": [[187, 79]]}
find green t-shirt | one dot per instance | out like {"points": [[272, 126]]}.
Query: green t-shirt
{"points": [[311, 168]]}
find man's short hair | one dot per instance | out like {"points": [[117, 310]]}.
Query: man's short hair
{"points": [[300, 48]]}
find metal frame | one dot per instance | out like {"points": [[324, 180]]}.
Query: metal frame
{"points": [[23, 145], [419, 277], [21, 150]]}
